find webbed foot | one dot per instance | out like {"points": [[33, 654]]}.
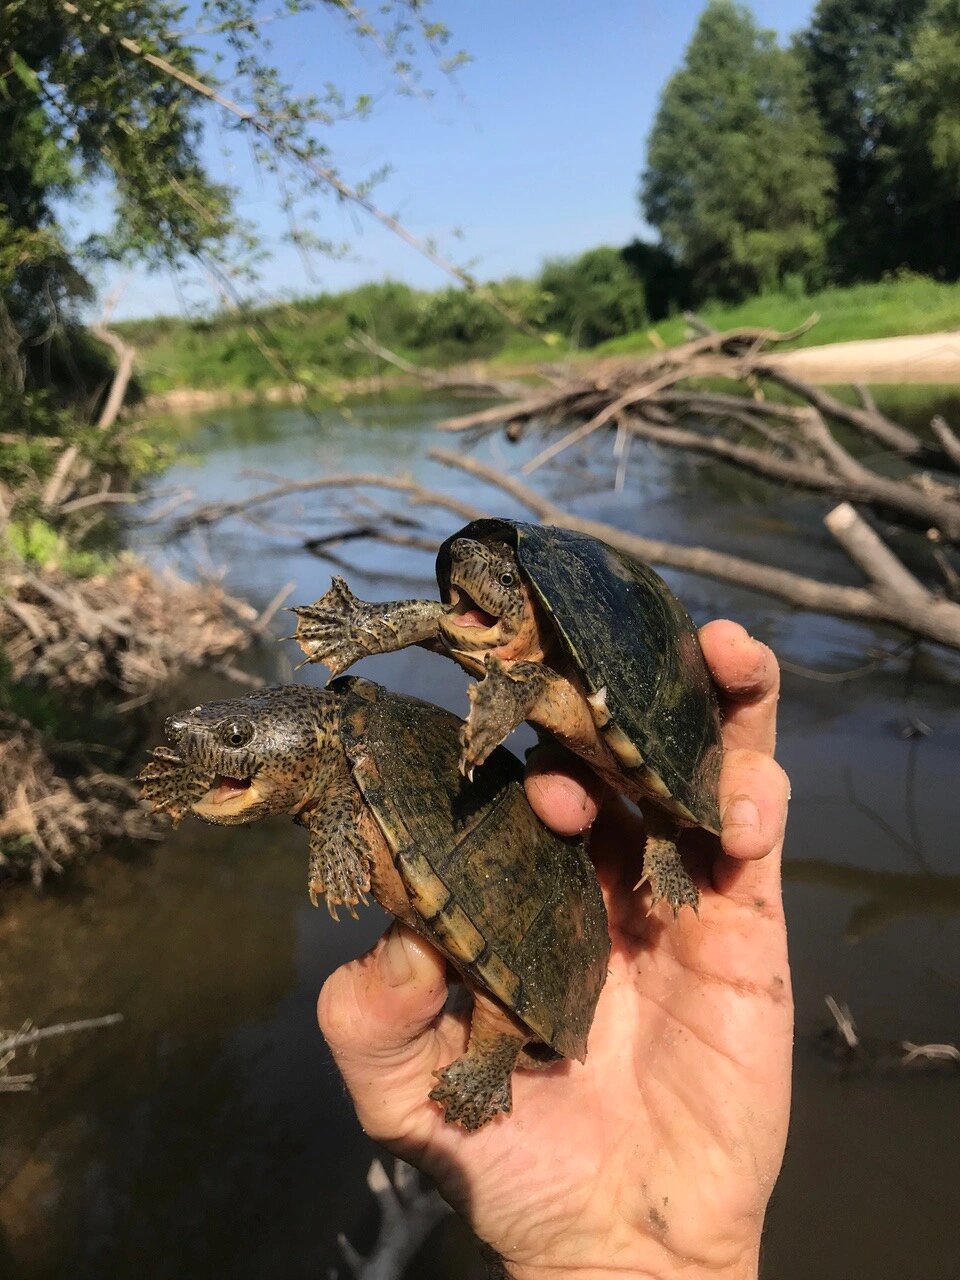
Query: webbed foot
{"points": [[337, 629], [498, 703], [339, 858], [667, 876], [467, 1100]]}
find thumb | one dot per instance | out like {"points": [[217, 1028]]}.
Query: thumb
{"points": [[377, 1014]]}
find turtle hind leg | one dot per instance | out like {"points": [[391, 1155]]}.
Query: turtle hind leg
{"points": [[663, 868], [476, 1088]]}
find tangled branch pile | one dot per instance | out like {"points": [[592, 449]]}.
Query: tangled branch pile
{"points": [[122, 633], [802, 437], [50, 815], [115, 636]]}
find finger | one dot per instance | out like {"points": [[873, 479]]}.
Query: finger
{"points": [[748, 679], [375, 1011], [563, 792], [753, 797]]}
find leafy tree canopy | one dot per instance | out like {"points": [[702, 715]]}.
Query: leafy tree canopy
{"points": [[112, 92], [881, 73], [737, 179], [929, 84]]}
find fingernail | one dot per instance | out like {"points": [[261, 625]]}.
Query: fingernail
{"points": [[741, 812], [395, 966]]}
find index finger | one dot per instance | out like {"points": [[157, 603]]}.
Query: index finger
{"points": [[747, 677]]}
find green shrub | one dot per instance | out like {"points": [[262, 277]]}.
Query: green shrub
{"points": [[592, 298]]}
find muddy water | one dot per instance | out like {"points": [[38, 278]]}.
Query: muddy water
{"points": [[208, 1134]]}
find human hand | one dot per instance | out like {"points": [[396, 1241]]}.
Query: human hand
{"points": [[657, 1156]]}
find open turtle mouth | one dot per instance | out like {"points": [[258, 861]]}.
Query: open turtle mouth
{"points": [[464, 611], [226, 795]]}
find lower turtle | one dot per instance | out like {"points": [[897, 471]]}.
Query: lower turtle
{"points": [[374, 777], [580, 639]]}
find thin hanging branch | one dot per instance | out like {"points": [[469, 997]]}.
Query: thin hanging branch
{"points": [[283, 146]]}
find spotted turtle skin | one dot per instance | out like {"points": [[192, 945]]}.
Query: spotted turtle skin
{"points": [[517, 908], [625, 632]]}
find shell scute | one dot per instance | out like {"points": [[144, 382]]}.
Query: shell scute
{"points": [[515, 907]]}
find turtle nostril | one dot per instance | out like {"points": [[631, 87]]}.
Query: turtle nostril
{"points": [[174, 728]]}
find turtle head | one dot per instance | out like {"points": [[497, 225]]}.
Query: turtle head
{"points": [[486, 597], [238, 760]]}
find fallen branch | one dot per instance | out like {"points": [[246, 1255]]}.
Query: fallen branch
{"points": [[212, 513], [450, 379], [949, 441], [408, 1215], [20, 1039], [848, 479], [850, 1050], [927, 616]]}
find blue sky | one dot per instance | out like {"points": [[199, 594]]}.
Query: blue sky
{"points": [[532, 150]]}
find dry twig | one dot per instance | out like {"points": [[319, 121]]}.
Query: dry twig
{"points": [[408, 1214]]}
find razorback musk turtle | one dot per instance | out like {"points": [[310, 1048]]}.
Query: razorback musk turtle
{"points": [[374, 778], [578, 638]]}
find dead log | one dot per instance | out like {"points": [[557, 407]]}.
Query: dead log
{"points": [[924, 615]]}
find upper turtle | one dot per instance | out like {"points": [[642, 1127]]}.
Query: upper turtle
{"points": [[626, 634]]}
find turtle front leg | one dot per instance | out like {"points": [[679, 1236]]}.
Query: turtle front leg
{"points": [[663, 868], [340, 857], [476, 1087], [338, 629], [504, 698]]}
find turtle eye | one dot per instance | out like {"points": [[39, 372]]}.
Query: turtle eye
{"points": [[507, 579], [236, 733]]}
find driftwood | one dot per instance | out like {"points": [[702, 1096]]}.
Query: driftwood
{"points": [[29, 1035], [408, 1215], [125, 633], [892, 595], [661, 401], [52, 815], [851, 1052]]}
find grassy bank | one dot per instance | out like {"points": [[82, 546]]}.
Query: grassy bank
{"points": [[312, 337], [888, 309]]}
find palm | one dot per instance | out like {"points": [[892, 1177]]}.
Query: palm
{"points": [[677, 1117], [659, 1153]]}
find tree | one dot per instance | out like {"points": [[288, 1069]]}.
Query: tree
{"points": [[737, 179], [928, 87], [893, 208], [593, 297], [111, 92], [666, 285]]}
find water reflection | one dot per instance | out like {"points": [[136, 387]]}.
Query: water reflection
{"points": [[209, 1133]]}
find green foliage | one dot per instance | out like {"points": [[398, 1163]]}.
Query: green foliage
{"points": [[929, 87], [454, 318], [593, 297], [888, 118], [903, 305], [111, 95], [35, 542], [667, 285], [737, 179]]}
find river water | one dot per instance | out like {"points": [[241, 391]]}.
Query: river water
{"points": [[208, 1134]]}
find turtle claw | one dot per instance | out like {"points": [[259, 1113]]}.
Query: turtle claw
{"points": [[668, 878]]}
